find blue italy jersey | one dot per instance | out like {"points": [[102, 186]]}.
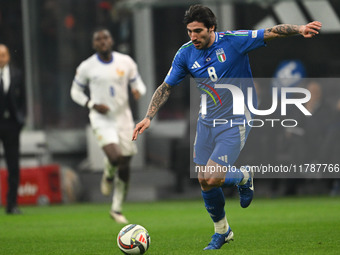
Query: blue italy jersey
{"points": [[224, 62]]}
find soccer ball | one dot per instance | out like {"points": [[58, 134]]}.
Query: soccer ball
{"points": [[133, 239]]}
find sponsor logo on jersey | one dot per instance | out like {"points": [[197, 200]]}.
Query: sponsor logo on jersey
{"points": [[224, 158], [221, 55], [195, 65]]}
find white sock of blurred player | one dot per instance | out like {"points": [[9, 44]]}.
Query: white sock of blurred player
{"points": [[119, 193]]}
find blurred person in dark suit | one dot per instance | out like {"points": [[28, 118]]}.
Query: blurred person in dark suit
{"points": [[12, 117]]}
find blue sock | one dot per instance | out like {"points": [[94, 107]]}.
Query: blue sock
{"points": [[233, 177], [214, 203]]}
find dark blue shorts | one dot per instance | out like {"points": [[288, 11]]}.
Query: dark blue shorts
{"points": [[222, 143]]}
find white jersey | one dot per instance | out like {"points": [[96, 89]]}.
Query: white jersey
{"points": [[108, 84]]}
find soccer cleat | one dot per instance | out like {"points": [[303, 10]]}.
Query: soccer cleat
{"points": [[106, 185], [219, 239], [118, 217], [246, 191]]}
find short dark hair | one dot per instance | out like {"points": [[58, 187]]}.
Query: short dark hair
{"points": [[100, 29], [202, 14]]}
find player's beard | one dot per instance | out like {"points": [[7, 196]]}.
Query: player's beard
{"points": [[203, 42]]}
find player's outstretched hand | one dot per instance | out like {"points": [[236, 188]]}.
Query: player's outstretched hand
{"points": [[311, 29], [140, 127], [101, 108]]}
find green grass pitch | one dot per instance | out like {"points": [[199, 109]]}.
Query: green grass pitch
{"points": [[277, 226]]}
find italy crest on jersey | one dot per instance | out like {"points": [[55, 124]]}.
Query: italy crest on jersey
{"points": [[221, 55]]}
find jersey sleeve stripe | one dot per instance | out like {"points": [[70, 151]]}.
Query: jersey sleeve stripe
{"points": [[79, 84], [186, 45], [236, 33], [134, 79]]}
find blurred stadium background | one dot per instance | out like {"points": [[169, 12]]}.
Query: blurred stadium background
{"points": [[49, 38]]}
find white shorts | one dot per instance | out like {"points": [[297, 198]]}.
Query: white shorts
{"points": [[123, 138]]}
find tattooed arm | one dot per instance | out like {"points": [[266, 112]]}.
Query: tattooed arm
{"points": [[284, 30], [160, 96]]}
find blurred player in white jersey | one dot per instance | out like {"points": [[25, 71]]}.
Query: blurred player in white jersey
{"points": [[108, 74]]}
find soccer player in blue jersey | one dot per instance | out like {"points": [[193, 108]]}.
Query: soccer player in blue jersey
{"points": [[214, 58]]}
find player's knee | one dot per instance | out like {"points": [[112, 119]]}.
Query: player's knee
{"points": [[214, 182], [202, 181], [207, 184], [114, 160]]}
